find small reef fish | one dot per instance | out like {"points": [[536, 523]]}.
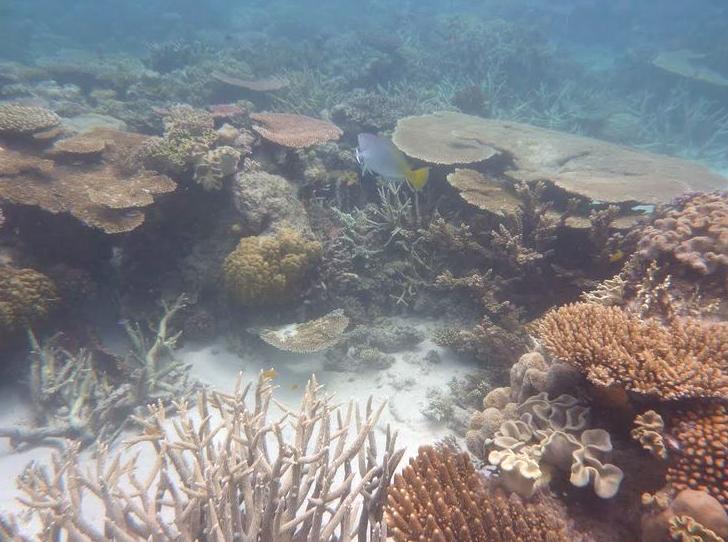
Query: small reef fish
{"points": [[379, 155], [269, 374]]}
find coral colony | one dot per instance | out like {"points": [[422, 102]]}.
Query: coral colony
{"points": [[476, 287]]}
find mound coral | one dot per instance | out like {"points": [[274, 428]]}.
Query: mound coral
{"points": [[701, 460], [269, 270], [26, 297], [440, 498], [694, 233], [18, 119], [687, 359]]}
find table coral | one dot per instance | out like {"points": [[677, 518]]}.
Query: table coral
{"points": [[701, 461], [693, 233], [614, 348], [269, 270], [26, 296], [440, 498], [294, 131]]}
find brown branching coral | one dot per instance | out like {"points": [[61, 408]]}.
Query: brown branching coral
{"points": [[694, 233], [228, 470], [612, 347], [294, 131], [440, 498], [701, 461]]}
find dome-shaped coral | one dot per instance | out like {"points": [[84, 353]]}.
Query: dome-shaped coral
{"points": [[269, 270], [26, 296]]}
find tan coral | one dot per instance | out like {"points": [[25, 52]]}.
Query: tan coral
{"points": [[26, 298], [85, 145], [440, 498], [16, 119], [257, 85], [648, 431], [216, 165], [294, 131], [701, 463], [312, 336], [686, 529], [614, 348]]}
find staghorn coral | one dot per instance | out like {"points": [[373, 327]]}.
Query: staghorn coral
{"points": [[230, 469], [553, 432], [440, 498], [701, 460], [613, 348], [18, 119], [26, 298], [216, 165], [75, 398], [294, 131], [693, 233], [269, 270], [312, 336]]}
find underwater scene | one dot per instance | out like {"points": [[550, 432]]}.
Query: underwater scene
{"points": [[363, 270]]}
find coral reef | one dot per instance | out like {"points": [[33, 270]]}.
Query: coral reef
{"points": [[16, 119], [614, 348], [312, 336], [665, 515], [311, 472], [269, 270], [26, 299], [648, 431], [440, 496], [215, 166]]}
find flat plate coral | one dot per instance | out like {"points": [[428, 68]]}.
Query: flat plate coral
{"points": [[311, 336]]}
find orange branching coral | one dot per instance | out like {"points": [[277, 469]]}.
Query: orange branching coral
{"points": [[611, 347], [694, 233], [294, 131], [702, 459], [440, 498]]}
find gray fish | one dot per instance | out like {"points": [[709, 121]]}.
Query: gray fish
{"points": [[379, 155]]}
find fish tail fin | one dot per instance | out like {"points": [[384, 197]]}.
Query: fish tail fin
{"points": [[418, 177]]}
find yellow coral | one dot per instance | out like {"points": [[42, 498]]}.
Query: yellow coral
{"points": [[26, 296], [269, 270]]}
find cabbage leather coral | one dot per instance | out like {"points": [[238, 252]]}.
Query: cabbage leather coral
{"points": [[694, 234], [26, 296], [611, 347], [439, 497], [269, 270]]}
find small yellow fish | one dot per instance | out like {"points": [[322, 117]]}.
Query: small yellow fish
{"points": [[616, 256], [269, 374]]}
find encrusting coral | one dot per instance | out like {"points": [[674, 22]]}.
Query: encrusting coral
{"points": [[26, 297], [439, 497], [693, 232], [687, 359], [269, 270], [228, 470]]}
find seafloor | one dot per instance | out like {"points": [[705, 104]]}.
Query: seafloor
{"points": [[214, 326]]}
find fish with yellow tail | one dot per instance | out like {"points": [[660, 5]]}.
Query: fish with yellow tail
{"points": [[378, 155]]}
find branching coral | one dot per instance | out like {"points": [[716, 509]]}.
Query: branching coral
{"points": [[228, 470], [611, 347], [74, 398], [26, 297], [440, 498], [269, 270], [694, 233]]}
